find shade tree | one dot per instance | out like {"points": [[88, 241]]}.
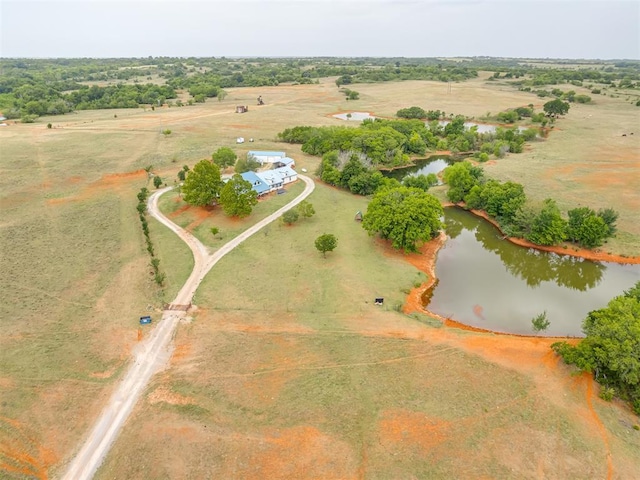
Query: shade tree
{"points": [[404, 215], [203, 184], [238, 197], [224, 157]]}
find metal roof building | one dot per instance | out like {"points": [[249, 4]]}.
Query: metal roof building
{"points": [[256, 182], [266, 156]]}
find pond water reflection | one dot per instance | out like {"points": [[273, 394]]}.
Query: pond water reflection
{"points": [[488, 282]]}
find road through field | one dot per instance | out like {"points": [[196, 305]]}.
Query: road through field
{"points": [[153, 353]]}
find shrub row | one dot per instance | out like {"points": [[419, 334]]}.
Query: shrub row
{"points": [[158, 276]]}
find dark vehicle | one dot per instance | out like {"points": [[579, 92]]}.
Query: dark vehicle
{"points": [[144, 320]]}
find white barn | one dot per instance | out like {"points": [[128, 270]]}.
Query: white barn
{"points": [[264, 156]]}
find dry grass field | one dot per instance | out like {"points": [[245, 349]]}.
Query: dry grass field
{"points": [[287, 370]]}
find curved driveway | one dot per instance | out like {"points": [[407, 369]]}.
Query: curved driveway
{"points": [[153, 353]]}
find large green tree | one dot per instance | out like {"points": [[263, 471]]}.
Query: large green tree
{"points": [[247, 164], [326, 243], [403, 215], [411, 112], [461, 178], [237, 197], [500, 200], [548, 227], [556, 107], [202, 185], [586, 227], [611, 348], [224, 157], [305, 209]]}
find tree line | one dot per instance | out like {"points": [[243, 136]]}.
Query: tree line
{"points": [[391, 143], [48, 80], [507, 204], [41, 100]]}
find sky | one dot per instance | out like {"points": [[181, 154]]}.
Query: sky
{"points": [[605, 29]]}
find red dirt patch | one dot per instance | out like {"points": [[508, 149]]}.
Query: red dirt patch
{"points": [[21, 454], [180, 210], [181, 351], [163, 394], [317, 455], [107, 182], [107, 373], [402, 428]]}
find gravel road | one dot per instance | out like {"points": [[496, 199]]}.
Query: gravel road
{"points": [[152, 354]]}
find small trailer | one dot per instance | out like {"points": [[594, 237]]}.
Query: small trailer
{"points": [[145, 320]]}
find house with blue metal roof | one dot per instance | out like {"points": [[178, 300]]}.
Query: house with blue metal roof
{"points": [[257, 184], [287, 174], [272, 178]]}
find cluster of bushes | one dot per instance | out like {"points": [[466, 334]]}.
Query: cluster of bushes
{"points": [[378, 140], [304, 209], [351, 171], [158, 277], [611, 348], [506, 202], [570, 96], [420, 113], [350, 94]]}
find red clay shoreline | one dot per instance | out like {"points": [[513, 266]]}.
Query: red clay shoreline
{"points": [[425, 261]]}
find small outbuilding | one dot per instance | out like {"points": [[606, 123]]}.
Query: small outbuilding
{"points": [[285, 162]]}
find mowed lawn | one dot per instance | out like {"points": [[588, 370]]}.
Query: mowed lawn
{"points": [[76, 276], [288, 370]]}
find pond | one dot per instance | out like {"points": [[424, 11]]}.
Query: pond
{"points": [[487, 282], [425, 166], [354, 116]]}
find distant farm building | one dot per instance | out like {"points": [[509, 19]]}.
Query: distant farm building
{"points": [[266, 156]]}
